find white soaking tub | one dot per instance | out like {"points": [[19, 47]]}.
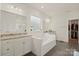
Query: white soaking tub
{"points": [[42, 43]]}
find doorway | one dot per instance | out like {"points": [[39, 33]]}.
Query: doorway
{"points": [[73, 32]]}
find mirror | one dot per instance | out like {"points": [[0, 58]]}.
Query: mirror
{"points": [[11, 22], [36, 24]]}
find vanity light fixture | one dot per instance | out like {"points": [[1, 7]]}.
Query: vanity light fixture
{"points": [[16, 8], [20, 9], [10, 6]]}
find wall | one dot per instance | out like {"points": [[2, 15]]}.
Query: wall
{"points": [[59, 25], [26, 11], [74, 14], [60, 22]]}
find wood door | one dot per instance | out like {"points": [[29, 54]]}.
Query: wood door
{"points": [[73, 32]]}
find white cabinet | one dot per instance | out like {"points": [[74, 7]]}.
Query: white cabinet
{"points": [[7, 48], [18, 47], [22, 46], [27, 44], [0, 48], [42, 43], [15, 47]]}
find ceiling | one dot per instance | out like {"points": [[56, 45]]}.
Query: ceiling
{"points": [[51, 8], [54, 8]]}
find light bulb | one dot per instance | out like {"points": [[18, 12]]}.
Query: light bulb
{"points": [[47, 20], [42, 6], [12, 7], [20, 10]]}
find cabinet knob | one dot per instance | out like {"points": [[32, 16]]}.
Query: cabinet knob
{"points": [[8, 49], [7, 42], [23, 42]]}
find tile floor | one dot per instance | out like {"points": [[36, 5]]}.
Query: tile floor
{"points": [[61, 49]]}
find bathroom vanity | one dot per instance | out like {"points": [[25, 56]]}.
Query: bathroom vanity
{"points": [[18, 44], [15, 44], [43, 43]]}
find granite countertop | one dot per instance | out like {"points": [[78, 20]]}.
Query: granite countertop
{"points": [[8, 35]]}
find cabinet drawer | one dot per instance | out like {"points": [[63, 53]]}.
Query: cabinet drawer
{"points": [[0, 48], [7, 48]]}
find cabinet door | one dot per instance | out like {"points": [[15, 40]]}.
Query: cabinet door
{"points": [[0, 48], [18, 47], [27, 44], [7, 48]]}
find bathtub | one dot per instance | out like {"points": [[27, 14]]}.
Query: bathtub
{"points": [[42, 43]]}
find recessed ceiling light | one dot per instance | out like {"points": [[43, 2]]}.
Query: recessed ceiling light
{"points": [[42, 6], [12, 7], [47, 20]]}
